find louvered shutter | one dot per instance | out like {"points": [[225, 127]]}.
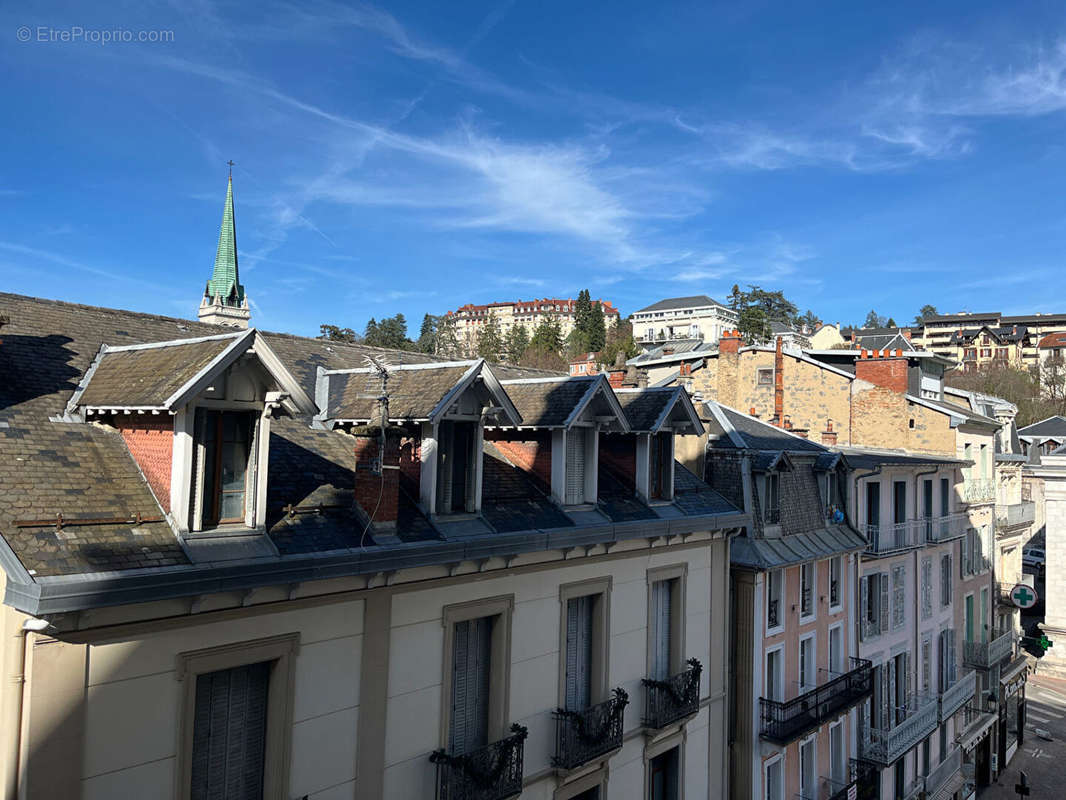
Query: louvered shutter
{"points": [[864, 606], [908, 680], [575, 466], [885, 600], [229, 733], [579, 652], [661, 621], [927, 666], [445, 444], [888, 685], [471, 673], [951, 656], [942, 660], [927, 588]]}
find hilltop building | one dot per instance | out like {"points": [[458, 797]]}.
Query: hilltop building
{"points": [[977, 339], [682, 319], [469, 319]]}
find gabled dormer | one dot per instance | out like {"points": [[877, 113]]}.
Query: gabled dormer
{"points": [[655, 416], [195, 415], [564, 416], [432, 417]]}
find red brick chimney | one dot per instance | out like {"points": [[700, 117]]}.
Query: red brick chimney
{"points": [[883, 368], [779, 383], [376, 477], [684, 370], [829, 436], [730, 342]]}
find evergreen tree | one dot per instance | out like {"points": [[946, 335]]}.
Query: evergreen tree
{"points": [[447, 343], [923, 314], [515, 343], [332, 333], [427, 335], [490, 339], [391, 332], [547, 336], [735, 298], [619, 340], [874, 320], [596, 329], [370, 335]]}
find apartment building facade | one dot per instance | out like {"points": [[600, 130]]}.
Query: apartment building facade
{"points": [[697, 318], [988, 337], [488, 580], [798, 674], [471, 318]]}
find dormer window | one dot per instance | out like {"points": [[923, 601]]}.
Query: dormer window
{"points": [[580, 466], [770, 498], [458, 475], [661, 467], [216, 396]]}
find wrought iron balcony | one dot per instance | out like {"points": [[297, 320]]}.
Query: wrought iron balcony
{"points": [[884, 746], [987, 654], [958, 694], [866, 776], [944, 772], [673, 699], [945, 528], [978, 490], [885, 539], [493, 772], [581, 736], [785, 721], [1015, 515]]}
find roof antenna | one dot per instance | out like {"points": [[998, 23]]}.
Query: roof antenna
{"points": [[381, 367]]}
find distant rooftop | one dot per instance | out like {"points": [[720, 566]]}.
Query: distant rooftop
{"points": [[671, 303]]}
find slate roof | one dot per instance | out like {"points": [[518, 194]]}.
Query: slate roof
{"points": [[646, 409], [85, 471], [681, 350], [695, 497], [758, 435], [772, 552], [1052, 426], [549, 403], [413, 393], [963, 411], [860, 458], [148, 376], [884, 341], [670, 303]]}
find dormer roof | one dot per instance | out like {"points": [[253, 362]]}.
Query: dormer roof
{"points": [[650, 410], [166, 376], [416, 392], [559, 402]]}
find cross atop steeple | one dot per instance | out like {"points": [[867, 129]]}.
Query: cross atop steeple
{"points": [[224, 301]]}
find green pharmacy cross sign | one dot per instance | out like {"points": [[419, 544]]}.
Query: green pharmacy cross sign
{"points": [[1023, 596]]}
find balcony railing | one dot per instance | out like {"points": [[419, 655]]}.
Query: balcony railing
{"points": [[785, 721], [947, 769], [913, 789], [958, 694], [885, 539], [990, 653], [581, 736], [673, 699], [866, 776], [493, 772], [1015, 515], [884, 746], [978, 490], [945, 528], [671, 336]]}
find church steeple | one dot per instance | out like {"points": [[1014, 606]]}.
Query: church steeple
{"points": [[224, 301]]}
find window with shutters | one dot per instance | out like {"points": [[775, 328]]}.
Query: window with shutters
{"points": [[945, 580], [578, 466], [237, 720], [807, 573], [836, 580], [807, 665], [457, 467], [224, 467], [927, 587], [899, 597], [229, 733], [583, 643], [775, 586], [873, 603], [927, 663], [945, 497], [477, 654], [808, 769], [774, 779], [661, 466], [666, 596], [836, 650]]}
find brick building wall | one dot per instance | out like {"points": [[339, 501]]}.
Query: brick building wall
{"points": [[150, 440], [619, 455], [369, 487], [529, 450]]}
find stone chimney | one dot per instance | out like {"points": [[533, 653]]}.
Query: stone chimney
{"points": [[728, 367], [887, 368], [779, 384], [684, 370]]}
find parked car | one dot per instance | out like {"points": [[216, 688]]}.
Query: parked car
{"points": [[1033, 559]]}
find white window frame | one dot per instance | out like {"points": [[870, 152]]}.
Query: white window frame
{"points": [[774, 761], [812, 566], [841, 584], [838, 626], [780, 627], [812, 742], [779, 688], [811, 637], [844, 755]]}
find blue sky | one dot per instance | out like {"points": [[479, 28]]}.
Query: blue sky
{"points": [[412, 157]]}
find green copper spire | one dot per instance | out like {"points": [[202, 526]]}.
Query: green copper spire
{"points": [[225, 281]]}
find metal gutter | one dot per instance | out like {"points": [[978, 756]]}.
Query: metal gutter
{"points": [[62, 594]]}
